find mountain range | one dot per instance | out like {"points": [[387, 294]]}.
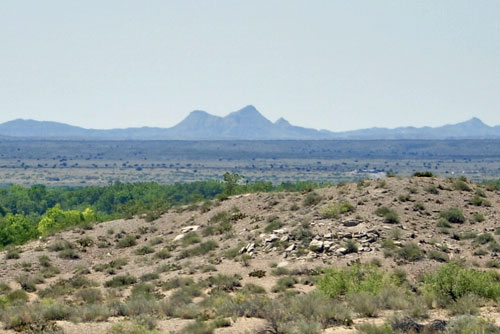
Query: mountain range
{"points": [[245, 124]]}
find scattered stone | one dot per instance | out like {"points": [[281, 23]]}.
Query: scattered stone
{"points": [[282, 264], [271, 238], [179, 237], [316, 245], [436, 326], [248, 248], [341, 251], [351, 222], [191, 228], [407, 325]]}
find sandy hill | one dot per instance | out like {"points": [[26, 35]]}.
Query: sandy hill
{"points": [[267, 244]]}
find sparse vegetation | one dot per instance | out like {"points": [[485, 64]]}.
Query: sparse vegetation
{"points": [[293, 282], [335, 210]]}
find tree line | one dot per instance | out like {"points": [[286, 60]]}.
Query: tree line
{"points": [[30, 212]]}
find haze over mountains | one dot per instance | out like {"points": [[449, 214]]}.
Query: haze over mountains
{"points": [[245, 124]]}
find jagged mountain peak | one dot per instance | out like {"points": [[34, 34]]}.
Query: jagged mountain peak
{"points": [[198, 113], [246, 124], [248, 113], [282, 122], [475, 122]]}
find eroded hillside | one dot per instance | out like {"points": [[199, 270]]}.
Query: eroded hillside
{"points": [[258, 263]]}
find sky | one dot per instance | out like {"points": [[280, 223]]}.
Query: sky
{"points": [[336, 65]]}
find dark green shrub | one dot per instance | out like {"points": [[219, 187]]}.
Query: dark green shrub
{"points": [[404, 198], [419, 206], [112, 266], [127, 241], [12, 254], [438, 256], [479, 201], [18, 297], [284, 283], [120, 281], [431, 189], [149, 277], [274, 225], [461, 185], [163, 254], [382, 211], [203, 248], [423, 174], [492, 264], [144, 250], [390, 216], [311, 199], [335, 210], [89, 295], [190, 239], [177, 283], [364, 304], [453, 215], [44, 261], [484, 238], [68, 254], [470, 324], [85, 242], [251, 288], [410, 252], [28, 283], [351, 246], [224, 283], [60, 245], [478, 217]]}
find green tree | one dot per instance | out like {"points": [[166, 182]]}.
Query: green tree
{"points": [[230, 182], [56, 219]]}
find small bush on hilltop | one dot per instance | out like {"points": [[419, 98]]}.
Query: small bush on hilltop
{"points": [[461, 184], [423, 174], [335, 210], [311, 199]]}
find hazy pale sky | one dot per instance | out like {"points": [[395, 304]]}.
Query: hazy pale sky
{"points": [[334, 65]]}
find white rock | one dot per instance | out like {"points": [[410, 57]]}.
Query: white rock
{"points": [[179, 237], [327, 244], [282, 264], [190, 228], [280, 231], [316, 245], [341, 251], [271, 238]]}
